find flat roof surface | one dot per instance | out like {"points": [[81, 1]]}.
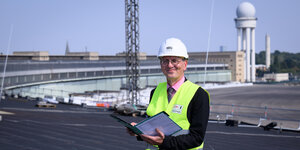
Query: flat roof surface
{"points": [[74, 127], [277, 102]]}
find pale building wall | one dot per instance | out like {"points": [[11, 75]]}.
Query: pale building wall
{"points": [[141, 55], [234, 59], [35, 55], [44, 55], [277, 77], [85, 55]]}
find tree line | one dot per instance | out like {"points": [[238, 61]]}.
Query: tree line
{"points": [[281, 62]]}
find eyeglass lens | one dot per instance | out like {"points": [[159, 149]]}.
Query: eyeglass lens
{"points": [[173, 61]]}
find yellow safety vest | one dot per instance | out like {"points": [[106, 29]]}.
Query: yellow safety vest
{"points": [[178, 106]]}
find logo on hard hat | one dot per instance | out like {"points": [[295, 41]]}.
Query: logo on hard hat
{"points": [[169, 48]]}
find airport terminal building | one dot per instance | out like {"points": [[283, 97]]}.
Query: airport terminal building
{"points": [[37, 69]]}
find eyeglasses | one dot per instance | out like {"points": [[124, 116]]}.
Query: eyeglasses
{"points": [[174, 62]]}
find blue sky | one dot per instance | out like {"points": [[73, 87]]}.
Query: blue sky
{"points": [[99, 26]]}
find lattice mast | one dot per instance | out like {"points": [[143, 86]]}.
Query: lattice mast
{"points": [[132, 49]]}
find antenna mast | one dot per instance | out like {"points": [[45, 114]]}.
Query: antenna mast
{"points": [[5, 64], [132, 49]]}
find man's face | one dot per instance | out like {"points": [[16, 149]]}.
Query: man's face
{"points": [[173, 67]]}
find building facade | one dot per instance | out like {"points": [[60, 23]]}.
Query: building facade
{"points": [[234, 59]]}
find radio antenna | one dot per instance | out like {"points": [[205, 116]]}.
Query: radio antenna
{"points": [[209, 37], [5, 64]]}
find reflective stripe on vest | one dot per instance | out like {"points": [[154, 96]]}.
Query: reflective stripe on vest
{"points": [[177, 108]]}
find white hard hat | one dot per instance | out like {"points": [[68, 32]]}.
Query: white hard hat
{"points": [[173, 47]]}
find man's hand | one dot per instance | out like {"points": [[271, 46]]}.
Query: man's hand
{"points": [[154, 140], [129, 131]]}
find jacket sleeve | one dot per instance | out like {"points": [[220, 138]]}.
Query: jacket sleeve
{"points": [[198, 113]]}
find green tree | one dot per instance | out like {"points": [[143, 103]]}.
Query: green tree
{"points": [[260, 58], [275, 67], [284, 62]]}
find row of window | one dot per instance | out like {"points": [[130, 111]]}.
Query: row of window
{"points": [[16, 80]]}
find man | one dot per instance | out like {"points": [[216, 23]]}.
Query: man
{"points": [[186, 103]]}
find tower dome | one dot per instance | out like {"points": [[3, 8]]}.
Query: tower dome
{"points": [[245, 9]]}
